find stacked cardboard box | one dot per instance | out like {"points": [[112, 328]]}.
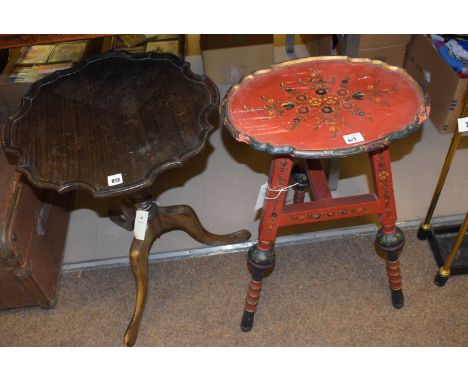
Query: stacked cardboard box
{"points": [[447, 91], [389, 48]]}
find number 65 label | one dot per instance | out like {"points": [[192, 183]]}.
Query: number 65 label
{"points": [[114, 180], [353, 138]]}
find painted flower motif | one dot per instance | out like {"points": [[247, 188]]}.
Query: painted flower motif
{"points": [[342, 92], [383, 176], [303, 110], [331, 100], [324, 99], [315, 102], [333, 130], [288, 105], [347, 105], [358, 95], [301, 98]]}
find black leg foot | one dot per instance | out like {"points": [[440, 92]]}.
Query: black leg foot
{"points": [[423, 233], [398, 300], [440, 280], [247, 321]]}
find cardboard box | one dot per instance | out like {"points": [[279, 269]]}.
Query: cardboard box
{"points": [[227, 58], [389, 48], [447, 91], [392, 55], [376, 41], [318, 44]]}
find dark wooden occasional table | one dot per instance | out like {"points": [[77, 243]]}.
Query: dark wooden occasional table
{"points": [[323, 107], [111, 125]]}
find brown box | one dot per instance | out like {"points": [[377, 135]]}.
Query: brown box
{"points": [[389, 48], [318, 44], [446, 89], [33, 226], [227, 58], [376, 41]]}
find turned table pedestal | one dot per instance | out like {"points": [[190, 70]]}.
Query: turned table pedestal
{"points": [[110, 126], [305, 110]]}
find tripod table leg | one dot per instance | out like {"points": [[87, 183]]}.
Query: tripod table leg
{"points": [[183, 217], [139, 252]]}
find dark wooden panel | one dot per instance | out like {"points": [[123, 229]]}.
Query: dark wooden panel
{"points": [[219, 41], [18, 40]]}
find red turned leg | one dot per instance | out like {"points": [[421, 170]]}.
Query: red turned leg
{"points": [[390, 239], [261, 257]]}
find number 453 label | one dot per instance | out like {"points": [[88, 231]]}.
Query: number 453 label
{"points": [[114, 180], [353, 138]]}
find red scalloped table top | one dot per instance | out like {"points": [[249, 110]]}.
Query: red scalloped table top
{"points": [[312, 106]]}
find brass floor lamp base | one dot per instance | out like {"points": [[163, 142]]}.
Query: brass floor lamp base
{"points": [[441, 240]]}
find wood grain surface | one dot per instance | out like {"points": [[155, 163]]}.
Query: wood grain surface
{"points": [[134, 115]]}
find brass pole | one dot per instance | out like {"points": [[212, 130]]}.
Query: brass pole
{"points": [[423, 231], [444, 271]]}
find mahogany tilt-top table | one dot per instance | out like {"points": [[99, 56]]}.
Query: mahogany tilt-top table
{"points": [[323, 107], [110, 126]]}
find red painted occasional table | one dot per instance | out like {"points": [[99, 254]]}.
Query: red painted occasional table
{"points": [[323, 107]]}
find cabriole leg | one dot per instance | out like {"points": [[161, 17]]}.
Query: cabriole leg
{"points": [[139, 252]]}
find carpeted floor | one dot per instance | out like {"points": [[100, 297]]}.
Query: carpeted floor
{"points": [[329, 293]]}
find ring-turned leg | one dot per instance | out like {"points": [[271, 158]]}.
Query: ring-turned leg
{"points": [[390, 239], [261, 257], [261, 262], [139, 252], [391, 244]]}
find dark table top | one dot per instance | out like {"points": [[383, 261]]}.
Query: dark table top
{"points": [[112, 116]]}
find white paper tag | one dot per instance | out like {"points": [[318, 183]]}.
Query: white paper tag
{"points": [[353, 138], [261, 196], [463, 125], [114, 180], [141, 221], [427, 76]]}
